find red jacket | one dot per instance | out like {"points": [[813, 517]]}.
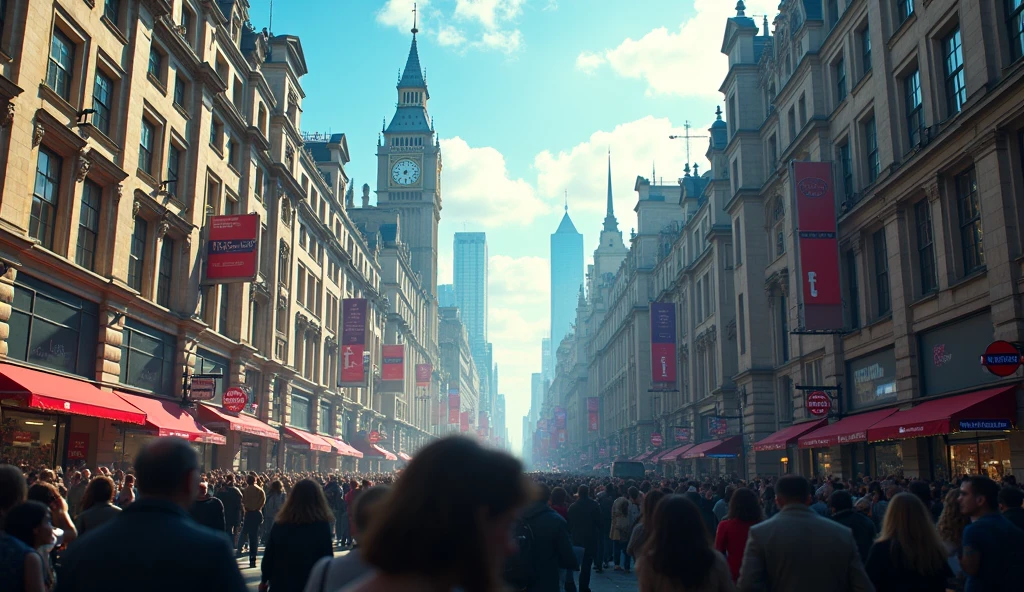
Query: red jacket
{"points": [[731, 541]]}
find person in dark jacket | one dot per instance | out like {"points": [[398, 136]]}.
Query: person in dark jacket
{"points": [[1011, 500], [301, 535], [863, 527], [705, 511], [157, 545], [208, 510], [552, 547], [585, 529], [606, 500], [231, 497]]}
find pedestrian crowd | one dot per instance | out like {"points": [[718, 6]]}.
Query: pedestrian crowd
{"points": [[465, 518]]}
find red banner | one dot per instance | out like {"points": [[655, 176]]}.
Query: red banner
{"points": [[464, 421], [393, 364], [423, 373], [593, 418], [663, 342], [562, 438], [78, 445], [454, 405], [818, 245], [232, 248], [353, 342], [560, 418]]}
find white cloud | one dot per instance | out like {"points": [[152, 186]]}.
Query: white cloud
{"points": [[523, 281], [588, 62], [398, 13], [488, 12], [479, 191], [506, 41], [449, 36], [685, 62]]}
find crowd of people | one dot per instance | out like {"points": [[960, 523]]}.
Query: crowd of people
{"points": [[462, 517]]}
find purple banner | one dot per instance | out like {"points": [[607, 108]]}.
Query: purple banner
{"points": [[663, 342], [353, 342]]}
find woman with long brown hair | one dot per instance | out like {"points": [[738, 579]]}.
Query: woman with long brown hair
{"points": [[952, 523], [908, 555], [678, 556], [643, 528], [300, 536], [97, 506]]}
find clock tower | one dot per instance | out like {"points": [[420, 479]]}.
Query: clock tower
{"points": [[409, 170]]}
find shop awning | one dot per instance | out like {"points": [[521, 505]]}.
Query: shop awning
{"points": [[315, 443], [727, 448], [343, 448], [167, 418], [643, 456], [50, 392], [373, 450], [848, 430], [403, 457], [785, 437], [236, 422], [671, 454], [990, 409]]}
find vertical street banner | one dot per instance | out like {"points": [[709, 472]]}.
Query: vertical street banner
{"points": [[817, 245], [663, 343], [562, 438], [423, 373], [560, 418], [232, 249], [454, 406], [353, 343], [592, 414], [392, 370], [464, 421]]}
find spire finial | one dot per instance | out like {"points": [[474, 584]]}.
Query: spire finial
{"points": [[764, 32], [383, 124], [610, 223], [414, 15], [695, 172], [686, 169], [740, 8], [718, 113], [566, 201]]}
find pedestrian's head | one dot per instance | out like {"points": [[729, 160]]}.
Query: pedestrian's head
{"points": [[305, 504], [440, 498], [99, 491], [43, 492], [13, 488], [611, 490], [921, 490], [29, 522], [204, 488], [582, 492], [558, 496], [276, 486], [366, 507], [679, 546], [86, 474], [908, 524], [1010, 497], [792, 489], [841, 500], [745, 507], [251, 479], [978, 495], [650, 503], [633, 493], [168, 469]]}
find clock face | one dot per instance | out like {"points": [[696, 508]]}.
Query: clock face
{"points": [[405, 172]]}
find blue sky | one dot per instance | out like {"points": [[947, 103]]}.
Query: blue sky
{"points": [[527, 97]]}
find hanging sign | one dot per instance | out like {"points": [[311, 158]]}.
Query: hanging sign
{"points": [[1001, 358], [392, 370], [560, 418], [423, 372], [817, 244], [663, 342], [235, 399], [354, 360], [819, 404], [232, 248], [454, 405], [681, 434], [202, 388], [592, 414], [656, 439], [373, 437], [464, 421]]}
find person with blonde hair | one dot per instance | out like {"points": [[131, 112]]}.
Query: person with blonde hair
{"points": [[952, 523], [908, 555], [300, 536]]}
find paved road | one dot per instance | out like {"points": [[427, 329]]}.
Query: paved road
{"points": [[608, 581]]}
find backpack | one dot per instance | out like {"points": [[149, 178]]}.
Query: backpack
{"points": [[519, 568]]}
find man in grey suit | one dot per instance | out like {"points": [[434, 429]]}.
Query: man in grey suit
{"points": [[797, 549]]}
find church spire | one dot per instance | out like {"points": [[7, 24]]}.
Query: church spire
{"points": [[412, 76], [610, 223]]}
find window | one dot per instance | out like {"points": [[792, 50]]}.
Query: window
{"points": [[179, 91], [846, 168], [792, 124], [325, 425], [233, 154], [737, 234], [52, 328], [904, 8], [925, 246], [871, 150], [155, 60], [970, 220], [778, 227], [865, 51], [88, 226], [302, 236], [840, 68], [146, 141], [216, 133], [783, 328], [299, 416], [914, 105], [854, 288], [833, 13], [802, 103], [881, 273], [173, 168], [224, 309], [102, 101], [1015, 22], [165, 273], [953, 68], [148, 357], [258, 187], [741, 323], [45, 197], [111, 10], [62, 61], [137, 255]]}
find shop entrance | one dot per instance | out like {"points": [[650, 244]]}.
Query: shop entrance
{"points": [[31, 439], [990, 458]]}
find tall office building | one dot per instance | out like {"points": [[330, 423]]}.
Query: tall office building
{"points": [[446, 296], [566, 279], [536, 396], [547, 364], [470, 280]]}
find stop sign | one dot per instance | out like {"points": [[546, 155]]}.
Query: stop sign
{"points": [[819, 404], [656, 439], [1001, 358]]}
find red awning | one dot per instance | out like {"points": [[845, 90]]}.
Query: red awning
{"points": [[944, 416], [51, 392], [845, 431], [727, 448], [672, 453], [315, 443], [785, 437], [167, 418], [404, 457], [342, 448], [374, 450], [237, 422]]}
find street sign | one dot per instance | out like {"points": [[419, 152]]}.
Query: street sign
{"points": [[1001, 358], [235, 399], [202, 389], [374, 437], [818, 403], [656, 439]]}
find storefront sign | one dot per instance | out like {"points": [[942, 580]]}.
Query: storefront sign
{"points": [[373, 437], [560, 418], [872, 379], [1001, 358], [393, 367], [235, 399], [454, 405], [353, 343], [423, 373], [819, 404], [948, 355], [971, 425], [23, 437], [78, 445], [593, 414], [656, 439], [663, 342], [681, 434], [232, 252], [202, 388], [818, 246], [717, 426]]}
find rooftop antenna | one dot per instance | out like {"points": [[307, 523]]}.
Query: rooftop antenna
{"points": [[687, 136], [567, 200], [271, 26]]}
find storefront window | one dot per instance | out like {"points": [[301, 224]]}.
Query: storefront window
{"points": [[822, 463], [872, 379], [52, 328], [254, 383], [299, 416], [147, 358], [208, 362], [887, 460], [28, 439], [949, 355], [326, 421], [990, 458], [249, 460]]}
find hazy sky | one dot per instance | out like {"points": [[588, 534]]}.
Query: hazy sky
{"points": [[527, 96]]}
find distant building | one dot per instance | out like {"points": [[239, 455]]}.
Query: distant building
{"points": [[566, 277], [547, 366], [446, 296]]}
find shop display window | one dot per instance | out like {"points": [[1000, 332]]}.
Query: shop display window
{"points": [[887, 460], [822, 463], [29, 439], [990, 458]]}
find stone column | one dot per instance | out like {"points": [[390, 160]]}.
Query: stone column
{"points": [[6, 299]]}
